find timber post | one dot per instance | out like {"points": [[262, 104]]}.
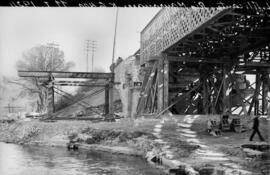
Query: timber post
{"points": [[166, 82], [111, 96], [226, 88], [160, 84], [265, 91], [163, 83], [106, 106], [50, 97], [51, 109]]}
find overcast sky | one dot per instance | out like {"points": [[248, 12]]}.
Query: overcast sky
{"points": [[24, 28]]}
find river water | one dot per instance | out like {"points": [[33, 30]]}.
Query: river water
{"points": [[33, 160]]}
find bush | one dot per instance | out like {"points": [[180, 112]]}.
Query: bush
{"points": [[73, 136]]}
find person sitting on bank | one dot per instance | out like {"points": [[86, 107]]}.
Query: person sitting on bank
{"points": [[256, 124]]}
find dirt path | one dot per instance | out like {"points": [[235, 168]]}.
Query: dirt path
{"points": [[176, 133]]}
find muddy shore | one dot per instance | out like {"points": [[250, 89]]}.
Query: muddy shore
{"points": [[117, 138], [134, 138]]}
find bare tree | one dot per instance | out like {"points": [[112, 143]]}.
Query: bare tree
{"points": [[2, 89], [40, 58]]}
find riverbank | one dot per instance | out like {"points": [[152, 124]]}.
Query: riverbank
{"points": [[179, 143], [126, 136], [123, 133]]}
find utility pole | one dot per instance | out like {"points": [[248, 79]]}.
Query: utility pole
{"points": [[52, 46], [90, 44], [111, 110]]}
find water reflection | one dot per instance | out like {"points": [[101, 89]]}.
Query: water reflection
{"points": [[31, 160]]}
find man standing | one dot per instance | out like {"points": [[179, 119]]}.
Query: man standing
{"points": [[255, 128]]}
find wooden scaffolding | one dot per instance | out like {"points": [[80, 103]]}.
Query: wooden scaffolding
{"points": [[196, 61]]}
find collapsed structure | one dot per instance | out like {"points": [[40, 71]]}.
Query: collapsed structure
{"points": [[99, 81]]}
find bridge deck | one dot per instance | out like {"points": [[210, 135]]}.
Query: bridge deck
{"points": [[205, 33]]}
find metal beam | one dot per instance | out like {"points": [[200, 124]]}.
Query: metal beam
{"points": [[196, 60], [88, 85], [216, 61], [59, 74]]}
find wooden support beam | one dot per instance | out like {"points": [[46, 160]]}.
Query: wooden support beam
{"points": [[218, 94], [50, 107], [179, 85], [265, 91], [107, 99], [177, 100], [144, 94], [155, 92], [204, 95], [226, 99], [160, 94], [256, 95], [253, 64], [267, 98], [196, 60], [202, 60], [144, 84], [166, 82], [160, 84], [150, 95]]}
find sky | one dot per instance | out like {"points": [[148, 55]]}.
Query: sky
{"points": [[23, 28]]}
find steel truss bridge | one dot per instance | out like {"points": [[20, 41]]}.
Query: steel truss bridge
{"points": [[196, 61], [99, 82]]}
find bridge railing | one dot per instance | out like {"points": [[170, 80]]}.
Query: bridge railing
{"points": [[169, 26]]}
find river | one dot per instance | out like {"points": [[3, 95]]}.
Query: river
{"points": [[34, 160]]}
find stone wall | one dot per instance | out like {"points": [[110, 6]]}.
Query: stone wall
{"points": [[126, 73]]}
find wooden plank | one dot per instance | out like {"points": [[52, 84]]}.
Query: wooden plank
{"points": [[141, 98], [148, 98], [145, 93]]}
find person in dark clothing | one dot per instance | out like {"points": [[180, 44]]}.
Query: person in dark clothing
{"points": [[255, 128]]}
